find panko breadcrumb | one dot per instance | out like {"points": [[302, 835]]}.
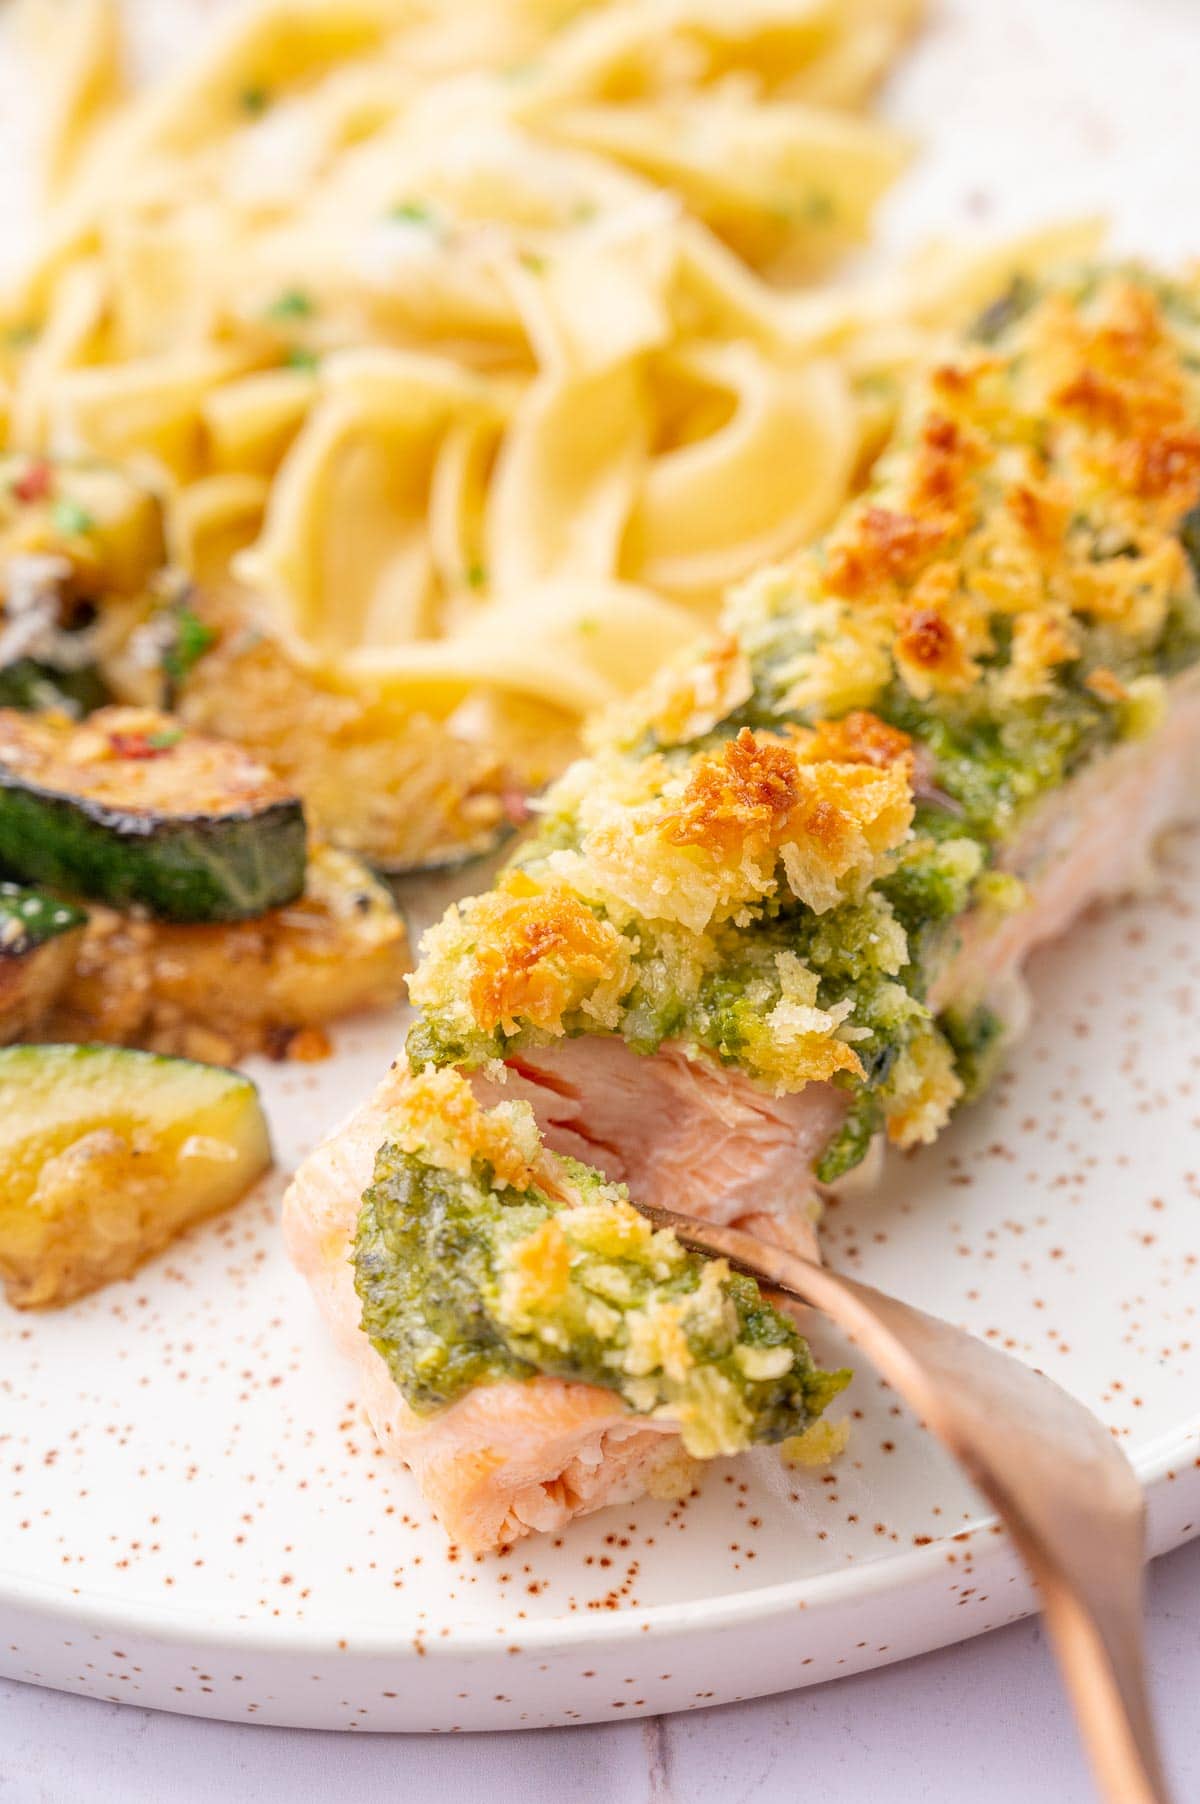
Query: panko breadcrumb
{"points": [[768, 861]]}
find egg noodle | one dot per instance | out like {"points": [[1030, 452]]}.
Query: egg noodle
{"points": [[480, 340]]}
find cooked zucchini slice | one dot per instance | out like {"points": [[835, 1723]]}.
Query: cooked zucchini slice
{"points": [[397, 787], [39, 940], [219, 993], [108, 1154], [127, 808]]}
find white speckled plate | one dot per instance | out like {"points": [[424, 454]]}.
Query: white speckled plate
{"points": [[192, 1514]]}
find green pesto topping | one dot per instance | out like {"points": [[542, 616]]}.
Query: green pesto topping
{"points": [[977, 1036], [464, 1282], [852, 1142], [993, 757]]}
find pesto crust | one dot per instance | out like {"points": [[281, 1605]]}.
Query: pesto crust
{"points": [[480, 1256], [765, 860]]}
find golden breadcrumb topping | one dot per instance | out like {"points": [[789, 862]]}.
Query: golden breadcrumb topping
{"points": [[526, 953], [858, 738], [767, 860], [437, 1115], [991, 502], [668, 855], [799, 1042], [927, 1090], [1041, 643], [818, 1446], [690, 696], [479, 1255], [712, 840], [544, 955], [538, 1270], [761, 800]]}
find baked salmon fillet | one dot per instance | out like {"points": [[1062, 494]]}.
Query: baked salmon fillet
{"points": [[777, 917], [526, 1342], [780, 913]]}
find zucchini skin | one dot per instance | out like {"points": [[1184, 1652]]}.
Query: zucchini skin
{"points": [[227, 867], [222, 992]]}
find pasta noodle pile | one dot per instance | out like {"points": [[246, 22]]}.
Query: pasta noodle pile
{"points": [[478, 339]]}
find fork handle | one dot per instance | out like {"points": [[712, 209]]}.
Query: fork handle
{"points": [[1100, 1659]]}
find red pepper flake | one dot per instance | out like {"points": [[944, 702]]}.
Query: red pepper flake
{"points": [[144, 745], [37, 483]]}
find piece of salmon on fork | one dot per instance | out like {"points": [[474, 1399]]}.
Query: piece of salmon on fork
{"points": [[782, 909], [525, 1342]]}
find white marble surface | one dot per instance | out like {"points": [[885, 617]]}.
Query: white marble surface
{"points": [[981, 1723]]}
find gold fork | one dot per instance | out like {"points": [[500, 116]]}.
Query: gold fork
{"points": [[1066, 1493]]}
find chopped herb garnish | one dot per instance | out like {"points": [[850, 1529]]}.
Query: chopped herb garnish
{"points": [[476, 576], [254, 99], [411, 212], [165, 738], [293, 303], [17, 337], [533, 262], [189, 642], [72, 520], [299, 357]]}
